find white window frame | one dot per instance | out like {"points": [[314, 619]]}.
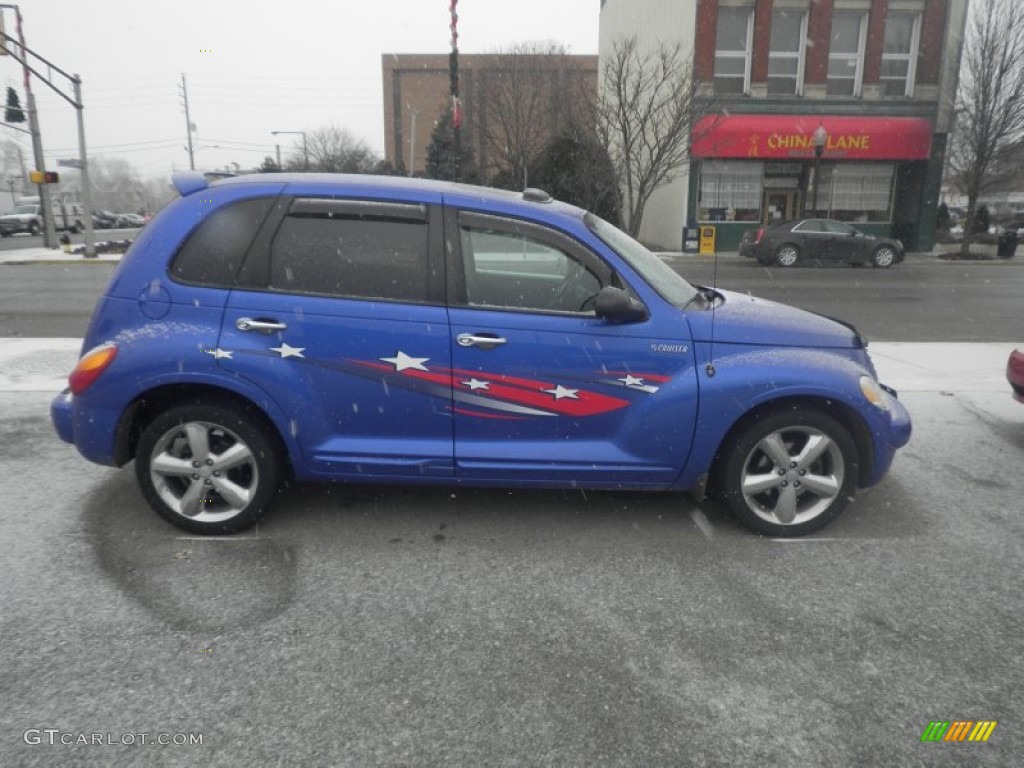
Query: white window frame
{"points": [[745, 55], [910, 58], [858, 78], [799, 55]]}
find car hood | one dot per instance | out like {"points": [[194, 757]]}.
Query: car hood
{"points": [[17, 216], [742, 319]]}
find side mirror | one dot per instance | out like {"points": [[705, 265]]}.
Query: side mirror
{"points": [[617, 306]]}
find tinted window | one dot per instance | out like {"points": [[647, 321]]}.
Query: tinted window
{"points": [[213, 253], [344, 253]]}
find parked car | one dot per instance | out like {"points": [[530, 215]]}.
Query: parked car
{"points": [[130, 220], [1015, 374], [104, 220], [389, 330], [819, 241]]}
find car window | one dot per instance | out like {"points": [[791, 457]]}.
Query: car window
{"points": [[515, 270], [213, 253], [362, 251], [838, 228]]}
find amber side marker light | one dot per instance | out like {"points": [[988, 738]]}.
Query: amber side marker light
{"points": [[92, 364]]}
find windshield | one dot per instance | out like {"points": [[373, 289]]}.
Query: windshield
{"points": [[25, 209], [656, 272]]}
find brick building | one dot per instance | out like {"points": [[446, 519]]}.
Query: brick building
{"points": [[416, 89], [878, 76]]}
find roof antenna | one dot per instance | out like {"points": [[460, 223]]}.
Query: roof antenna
{"points": [[709, 369]]}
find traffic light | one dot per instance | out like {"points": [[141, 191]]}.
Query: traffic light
{"points": [[43, 177]]}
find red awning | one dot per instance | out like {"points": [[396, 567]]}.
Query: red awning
{"points": [[786, 136]]}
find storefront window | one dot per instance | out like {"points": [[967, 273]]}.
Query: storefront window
{"points": [[786, 53], [856, 191], [846, 54], [899, 53], [732, 50], [730, 190]]}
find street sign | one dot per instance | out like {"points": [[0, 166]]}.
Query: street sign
{"points": [[70, 162]]}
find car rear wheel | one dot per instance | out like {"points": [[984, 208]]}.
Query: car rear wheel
{"points": [[884, 256], [790, 473], [33, 228], [207, 468], [787, 255]]}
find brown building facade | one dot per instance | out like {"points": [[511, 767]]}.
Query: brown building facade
{"points": [[416, 94]]}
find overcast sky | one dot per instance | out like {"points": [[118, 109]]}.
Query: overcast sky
{"points": [[252, 67]]}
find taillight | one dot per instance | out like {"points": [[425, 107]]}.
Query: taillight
{"points": [[759, 235], [93, 363]]}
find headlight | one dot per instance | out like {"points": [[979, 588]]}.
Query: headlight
{"points": [[874, 393]]}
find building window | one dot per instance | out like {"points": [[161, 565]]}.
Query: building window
{"points": [[846, 54], [899, 53], [856, 191], [732, 50], [730, 190], [786, 53]]}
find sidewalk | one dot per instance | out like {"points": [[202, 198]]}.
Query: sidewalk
{"points": [[40, 255]]}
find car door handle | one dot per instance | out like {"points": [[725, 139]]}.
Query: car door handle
{"points": [[483, 341], [248, 324]]}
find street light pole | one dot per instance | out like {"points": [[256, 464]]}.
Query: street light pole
{"points": [[819, 139]]}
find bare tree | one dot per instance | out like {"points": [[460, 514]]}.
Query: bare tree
{"points": [[990, 101], [524, 104], [646, 109], [332, 150]]}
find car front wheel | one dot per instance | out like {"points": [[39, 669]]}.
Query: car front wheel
{"points": [[790, 473], [787, 255], [883, 257], [207, 468]]}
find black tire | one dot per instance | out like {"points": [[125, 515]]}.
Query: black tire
{"points": [[232, 496], [884, 256], [33, 228], [787, 255], [76, 228], [819, 488]]}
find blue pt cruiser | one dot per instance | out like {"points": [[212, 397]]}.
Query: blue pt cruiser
{"points": [[388, 330]]}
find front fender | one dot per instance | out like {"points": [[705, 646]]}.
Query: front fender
{"points": [[747, 378]]}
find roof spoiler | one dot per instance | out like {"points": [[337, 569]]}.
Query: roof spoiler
{"points": [[187, 182]]}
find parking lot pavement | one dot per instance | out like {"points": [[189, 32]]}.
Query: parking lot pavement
{"points": [[381, 625]]}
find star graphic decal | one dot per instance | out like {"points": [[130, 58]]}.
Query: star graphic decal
{"points": [[561, 392], [219, 353], [476, 384], [402, 361], [288, 351], [632, 381]]}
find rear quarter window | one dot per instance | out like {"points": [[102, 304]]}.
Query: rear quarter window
{"points": [[213, 253]]}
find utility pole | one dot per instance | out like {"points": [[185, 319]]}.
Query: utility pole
{"points": [[188, 123], [49, 231]]}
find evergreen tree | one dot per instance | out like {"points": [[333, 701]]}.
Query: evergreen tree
{"points": [[575, 167], [441, 153]]}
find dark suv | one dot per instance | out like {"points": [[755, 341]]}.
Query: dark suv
{"points": [[393, 330]]}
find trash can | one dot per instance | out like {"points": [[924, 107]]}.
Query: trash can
{"points": [[1007, 244]]}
